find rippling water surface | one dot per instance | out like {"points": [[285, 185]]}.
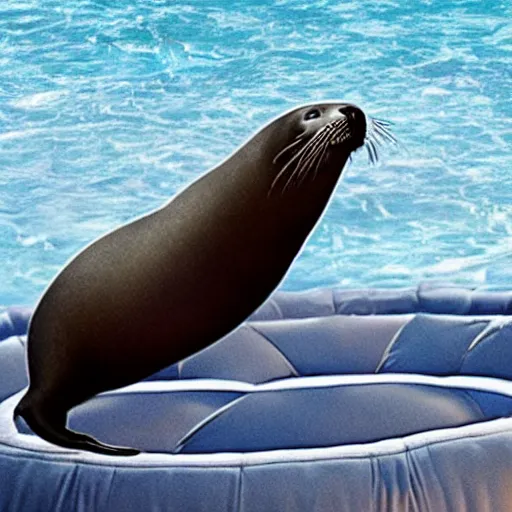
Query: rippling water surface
{"points": [[107, 108]]}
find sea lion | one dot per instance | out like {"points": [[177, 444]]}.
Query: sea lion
{"points": [[172, 282]]}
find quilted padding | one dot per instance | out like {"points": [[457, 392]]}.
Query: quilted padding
{"points": [[325, 400]]}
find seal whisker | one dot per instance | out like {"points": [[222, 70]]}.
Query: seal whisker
{"points": [[296, 159], [320, 160], [295, 156], [370, 157], [374, 132], [320, 140], [382, 122], [386, 135], [374, 149], [340, 128], [285, 168], [372, 152], [377, 138], [384, 132], [308, 150], [299, 139], [340, 134]]}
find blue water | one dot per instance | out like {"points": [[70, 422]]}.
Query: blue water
{"points": [[107, 108]]}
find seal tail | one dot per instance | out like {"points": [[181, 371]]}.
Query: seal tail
{"points": [[52, 428]]}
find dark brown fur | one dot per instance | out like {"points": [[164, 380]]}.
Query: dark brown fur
{"points": [[160, 288]]}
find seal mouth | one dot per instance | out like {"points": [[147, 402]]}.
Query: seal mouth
{"points": [[344, 132], [306, 154], [350, 130]]}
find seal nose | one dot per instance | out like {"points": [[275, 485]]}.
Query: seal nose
{"points": [[356, 120], [351, 113]]}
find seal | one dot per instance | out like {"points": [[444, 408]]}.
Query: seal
{"points": [[172, 282]]}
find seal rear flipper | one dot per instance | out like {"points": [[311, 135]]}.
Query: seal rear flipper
{"points": [[51, 428]]}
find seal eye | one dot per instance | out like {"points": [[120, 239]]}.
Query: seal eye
{"points": [[312, 114]]}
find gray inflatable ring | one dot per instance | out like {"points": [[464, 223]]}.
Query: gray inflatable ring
{"points": [[324, 400]]}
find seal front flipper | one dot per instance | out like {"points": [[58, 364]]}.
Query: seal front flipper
{"points": [[51, 426]]}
